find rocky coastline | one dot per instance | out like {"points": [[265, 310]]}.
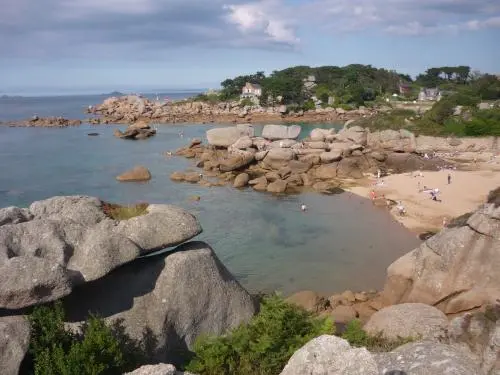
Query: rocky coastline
{"points": [[129, 109], [445, 294], [43, 122]]}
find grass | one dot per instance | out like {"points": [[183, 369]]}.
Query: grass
{"points": [[119, 212], [394, 119]]}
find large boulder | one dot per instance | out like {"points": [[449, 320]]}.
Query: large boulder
{"points": [[71, 240], [170, 298], [479, 333], [354, 134], [14, 343], [242, 143], [236, 161], [225, 137], [278, 157], [160, 369], [426, 358], [440, 144], [392, 140], [138, 173], [319, 134], [278, 186], [326, 172], [241, 180], [330, 355], [331, 156], [276, 132], [415, 320], [456, 270]]}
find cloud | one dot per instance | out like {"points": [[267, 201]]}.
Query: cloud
{"points": [[404, 17], [135, 28], [262, 18]]}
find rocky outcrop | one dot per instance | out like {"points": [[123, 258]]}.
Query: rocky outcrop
{"points": [[425, 358], [128, 109], [333, 356], [456, 270], [415, 320], [160, 369], [138, 173], [393, 140], [225, 137], [68, 241], [172, 298], [139, 130], [44, 122], [14, 343]]}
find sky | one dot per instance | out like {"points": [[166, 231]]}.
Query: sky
{"points": [[80, 46]]}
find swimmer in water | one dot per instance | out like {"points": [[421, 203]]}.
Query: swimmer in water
{"points": [[303, 207]]}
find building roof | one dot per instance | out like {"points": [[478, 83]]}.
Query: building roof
{"points": [[254, 85]]}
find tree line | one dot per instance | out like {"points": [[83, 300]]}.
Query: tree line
{"points": [[355, 84]]}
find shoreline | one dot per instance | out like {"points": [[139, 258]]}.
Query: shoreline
{"points": [[468, 189]]}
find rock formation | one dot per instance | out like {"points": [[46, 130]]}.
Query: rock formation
{"points": [[139, 130], [138, 173], [14, 342], [62, 242], [160, 369], [174, 297], [130, 108], [456, 270], [44, 122], [319, 162]]}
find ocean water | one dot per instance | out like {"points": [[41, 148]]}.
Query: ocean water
{"points": [[72, 107], [341, 242]]}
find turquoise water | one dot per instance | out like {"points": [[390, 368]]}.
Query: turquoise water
{"points": [[341, 242]]}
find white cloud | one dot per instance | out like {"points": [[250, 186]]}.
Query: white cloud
{"points": [[262, 18]]}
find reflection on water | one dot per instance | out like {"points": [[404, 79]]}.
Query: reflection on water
{"points": [[267, 242]]}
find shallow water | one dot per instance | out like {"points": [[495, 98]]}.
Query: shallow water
{"points": [[341, 242]]}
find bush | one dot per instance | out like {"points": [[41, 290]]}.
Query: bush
{"points": [[246, 102], [357, 337], [308, 105], [56, 351], [263, 346]]}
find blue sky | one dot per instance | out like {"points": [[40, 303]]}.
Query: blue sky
{"points": [[103, 45]]}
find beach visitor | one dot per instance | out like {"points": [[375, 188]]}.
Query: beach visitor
{"points": [[445, 222], [373, 195], [401, 209], [303, 207], [449, 178], [378, 174]]}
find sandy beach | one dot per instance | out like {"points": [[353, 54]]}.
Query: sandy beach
{"points": [[467, 190]]}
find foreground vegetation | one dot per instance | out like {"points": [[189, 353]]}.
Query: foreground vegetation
{"points": [[261, 347]]}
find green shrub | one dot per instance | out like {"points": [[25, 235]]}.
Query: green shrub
{"points": [[308, 105], [246, 102], [357, 337], [56, 351], [261, 347]]}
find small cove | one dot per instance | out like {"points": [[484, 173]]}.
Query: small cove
{"points": [[341, 242]]}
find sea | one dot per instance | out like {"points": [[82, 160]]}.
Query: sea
{"points": [[341, 242]]}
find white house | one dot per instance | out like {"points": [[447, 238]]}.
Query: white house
{"points": [[251, 90]]}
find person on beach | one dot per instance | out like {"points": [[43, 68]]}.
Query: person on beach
{"points": [[379, 173], [401, 209], [373, 195], [449, 178]]}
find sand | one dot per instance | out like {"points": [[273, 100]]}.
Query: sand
{"points": [[468, 189]]}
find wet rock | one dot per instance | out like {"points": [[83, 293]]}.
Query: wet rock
{"points": [[177, 176], [327, 187], [192, 177], [138, 173], [278, 186], [241, 180]]}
